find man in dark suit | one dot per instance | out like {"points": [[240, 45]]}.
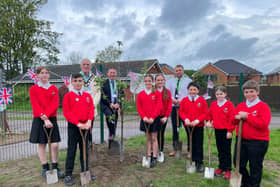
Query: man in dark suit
{"points": [[109, 103]]}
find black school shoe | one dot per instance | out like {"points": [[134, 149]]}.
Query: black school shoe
{"points": [[153, 161], [60, 174], [44, 172], [68, 180], [199, 168], [92, 177]]}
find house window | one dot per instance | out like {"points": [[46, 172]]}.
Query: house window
{"points": [[213, 77]]}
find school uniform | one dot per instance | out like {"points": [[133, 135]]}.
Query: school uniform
{"points": [[149, 105], [221, 114], [178, 89], [195, 109], [77, 108], [164, 112], [44, 101], [255, 140]]}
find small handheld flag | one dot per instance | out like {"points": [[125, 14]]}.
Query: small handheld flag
{"points": [[32, 75], [6, 96]]}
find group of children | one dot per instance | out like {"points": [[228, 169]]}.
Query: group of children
{"points": [[78, 110], [154, 105]]}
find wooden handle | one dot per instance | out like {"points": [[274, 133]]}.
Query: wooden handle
{"points": [[239, 145], [84, 146]]}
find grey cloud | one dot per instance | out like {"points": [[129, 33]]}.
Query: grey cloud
{"points": [[95, 20], [92, 5], [227, 46], [179, 14], [217, 30]]}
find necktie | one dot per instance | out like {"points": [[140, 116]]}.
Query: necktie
{"points": [[113, 84], [177, 89], [193, 99], [79, 93]]}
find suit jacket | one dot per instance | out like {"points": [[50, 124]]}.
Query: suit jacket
{"points": [[106, 98]]}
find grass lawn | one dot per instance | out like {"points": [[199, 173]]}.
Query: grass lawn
{"points": [[26, 172]]}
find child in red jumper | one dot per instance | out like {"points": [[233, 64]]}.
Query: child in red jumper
{"points": [[256, 117], [78, 110], [149, 106], [165, 109], [193, 111], [220, 113], [44, 101]]}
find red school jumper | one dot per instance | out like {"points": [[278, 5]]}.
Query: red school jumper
{"points": [[255, 127], [166, 105], [149, 105], [221, 115], [193, 110], [78, 108], [44, 101]]}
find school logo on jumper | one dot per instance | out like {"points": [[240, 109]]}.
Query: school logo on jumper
{"points": [[77, 99], [153, 97], [88, 99], [53, 93], [226, 110], [254, 113], [198, 105]]}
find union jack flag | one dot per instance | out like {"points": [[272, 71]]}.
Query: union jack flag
{"points": [[66, 80], [132, 75], [206, 96], [210, 84], [32, 75], [98, 73], [6, 96]]}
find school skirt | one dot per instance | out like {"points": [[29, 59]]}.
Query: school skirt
{"points": [[154, 127], [38, 135]]}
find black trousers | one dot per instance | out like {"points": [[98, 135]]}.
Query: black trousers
{"points": [[112, 121], [90, 132], [224, 149], [175, 133], [197, 144], [160, 135], [252, 151], [74, 138]]}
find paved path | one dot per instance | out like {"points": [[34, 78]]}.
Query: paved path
{"points": [[25, 149]]}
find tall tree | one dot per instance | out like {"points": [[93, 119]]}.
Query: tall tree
{"points": [[24, 39], [109, 54], [74, 57]]}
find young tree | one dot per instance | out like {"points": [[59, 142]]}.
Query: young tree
{"points": [[25, 40], [109, 54], [75, 57]]}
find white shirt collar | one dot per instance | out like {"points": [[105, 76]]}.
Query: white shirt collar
{"points": [[77, 91], [221, 103], [160, 89], [46, 85], [195, 98], [250, 104], [148, 91]]}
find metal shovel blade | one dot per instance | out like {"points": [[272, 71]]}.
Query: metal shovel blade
{"points": [[235, 179], [160, 157], [146, 162], [190, 168], [85, 177], [178, 149], [114, 148], [209, 173], [51, 176]]}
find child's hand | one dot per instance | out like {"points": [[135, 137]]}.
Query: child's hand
{"points": [[187, 122], [208, 124], [238, 117], [48, 124], [151, 120], [163, 120], [229, 135], [44, 117], [243, 115], [145, 119]]}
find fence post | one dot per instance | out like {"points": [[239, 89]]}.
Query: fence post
{"points": [[240, 88], [101, 114]]}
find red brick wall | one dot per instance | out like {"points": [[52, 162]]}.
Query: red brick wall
{"points": [[211, 70], [167, 71], [273, 79]]}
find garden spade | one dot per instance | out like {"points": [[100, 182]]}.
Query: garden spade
{"points": [[209, 172], [146, 160], [121, 144], [51, 175], [85, 175], [115, 144], [160, 157], [235, 178], [178, 144], [190, 167]]}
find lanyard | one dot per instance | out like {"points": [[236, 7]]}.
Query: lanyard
{"points": [[113, 88], [85, 77], [178, 87]]}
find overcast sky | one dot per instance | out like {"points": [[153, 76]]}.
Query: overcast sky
{"points": [[188, 32]]}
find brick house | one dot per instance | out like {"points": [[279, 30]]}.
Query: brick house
{"points": [[227, 72], [273, 78]]}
